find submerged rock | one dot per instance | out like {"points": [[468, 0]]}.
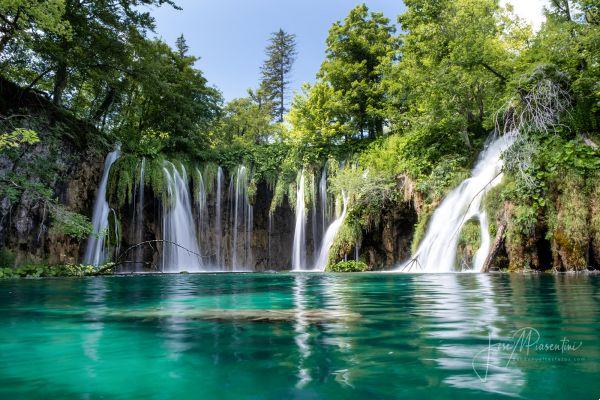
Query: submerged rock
{"points": [[250, 315]]}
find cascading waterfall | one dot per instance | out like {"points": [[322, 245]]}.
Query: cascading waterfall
{"points": [[201, 206], [329, 237], [437, 251], [323, 200], [138, 219], [181, 251], [95, 251], [315, 238], [242, 213], [299, 245], [218, 215], [270, 234]]}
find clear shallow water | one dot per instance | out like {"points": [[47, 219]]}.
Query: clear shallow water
{"points": [[274, 336]]}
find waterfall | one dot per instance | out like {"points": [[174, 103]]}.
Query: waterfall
{"points": [[242, 213], [95, 252], [299, 246], [178, 224], [269, 233], [201, 206], [218, 215], [330, 235], [437, 251], [313, 224], [323, 198], [138, 220]]}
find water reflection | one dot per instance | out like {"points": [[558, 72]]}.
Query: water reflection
{"points": [[466, 322], [301, 329], [95, 292]]}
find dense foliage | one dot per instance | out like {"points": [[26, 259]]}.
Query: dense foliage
{"points": [[405, 107]]}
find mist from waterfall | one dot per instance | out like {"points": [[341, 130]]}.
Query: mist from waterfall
{"points": [[437, 251], [95, 251], [180, 251]]}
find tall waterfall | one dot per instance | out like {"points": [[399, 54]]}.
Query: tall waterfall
{"points": [[323, 199], [181, 251], [201, 207], [329, 237], [242, 221], [218, 215], [299, 245], [138, 219], [437, 251], [315, 233], [95, 251]]}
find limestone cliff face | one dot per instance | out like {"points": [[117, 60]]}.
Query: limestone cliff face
{"points": [[26, 221], [59, 167]]}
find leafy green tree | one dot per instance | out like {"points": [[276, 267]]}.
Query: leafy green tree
{"points": [[317, 117], [167, 94], [281, 54], [359, 52], [23, 18], [451, 71], [244, 119]]}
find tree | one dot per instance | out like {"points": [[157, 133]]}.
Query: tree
{"points": [[359, 51], [181, 46], [245, 119], [317, 116], [26, 17], [165, 93], [281, 54], [451, 72]]}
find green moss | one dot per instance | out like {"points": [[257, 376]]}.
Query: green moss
{"points": [[279, 194], [348, 236], [493, 204], [7, 258], [348, 266], [421, 227], [46, 271], [595, 214], [121, 180], [568, 226], [154, 176], [469, 241]]}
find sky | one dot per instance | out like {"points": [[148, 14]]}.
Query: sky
{"points": [[230, 36]]}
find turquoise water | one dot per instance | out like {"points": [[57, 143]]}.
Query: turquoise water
{"points": [[277, 336]]}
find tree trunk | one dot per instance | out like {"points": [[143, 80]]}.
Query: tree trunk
{"points": [[498, 242], [60, 83], [106, 103]]}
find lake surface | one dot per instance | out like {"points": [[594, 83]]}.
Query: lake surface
{"points": [[301, 336]]}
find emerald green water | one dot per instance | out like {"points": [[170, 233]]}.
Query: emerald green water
{"points": [[277, 336]]}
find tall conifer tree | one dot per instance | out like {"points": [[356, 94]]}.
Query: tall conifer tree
{"points": [[281, 54]]}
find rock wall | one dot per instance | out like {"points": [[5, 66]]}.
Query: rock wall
{"points": [[61, 164]]}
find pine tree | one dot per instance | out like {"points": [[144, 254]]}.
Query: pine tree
{"points": [[281, 54], [181, 46]]}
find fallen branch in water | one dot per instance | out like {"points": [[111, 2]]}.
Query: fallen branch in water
{"points": [[120, 261]]}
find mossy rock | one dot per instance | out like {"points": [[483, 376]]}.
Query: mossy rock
{"points": [[348, 266]]}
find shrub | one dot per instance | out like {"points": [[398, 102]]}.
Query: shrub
{"points": [[348, 266], [7, 258]]}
